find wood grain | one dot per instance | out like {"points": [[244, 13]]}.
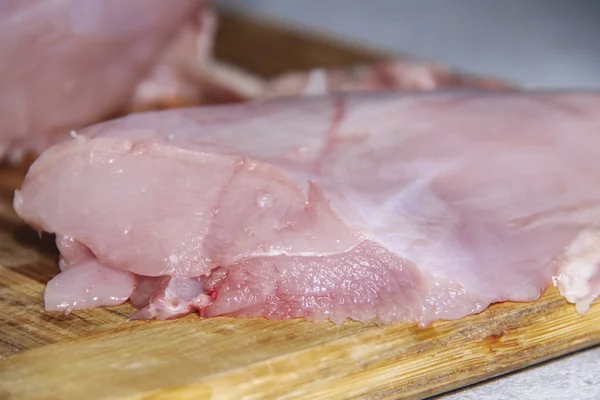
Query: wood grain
{"points": [[267, 48], [96, 354]]}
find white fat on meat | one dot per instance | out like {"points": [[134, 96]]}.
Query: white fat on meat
{"points": [[378, 207], [168, 297], [579, 274]]}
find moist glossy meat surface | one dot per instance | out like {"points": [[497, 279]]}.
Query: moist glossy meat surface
{"points": [[377, 207]]}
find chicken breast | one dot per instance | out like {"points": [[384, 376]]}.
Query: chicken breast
{"points": [[69, 63], [85, 61], [189, 75], [379, 207]]}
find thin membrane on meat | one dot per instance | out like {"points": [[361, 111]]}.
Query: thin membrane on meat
{"points": [[375, 206]]}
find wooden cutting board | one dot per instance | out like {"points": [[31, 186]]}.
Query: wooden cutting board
{"points": [[96, 354]]}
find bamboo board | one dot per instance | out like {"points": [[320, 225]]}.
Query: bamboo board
{"points": [[95, 354]]}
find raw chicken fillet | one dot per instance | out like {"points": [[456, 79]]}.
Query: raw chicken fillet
{"points": [[101, 59], [68, 63], [380, 207], [104, 58]]}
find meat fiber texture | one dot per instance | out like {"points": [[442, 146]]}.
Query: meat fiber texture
{"points": [[69, 63], [376, 207]]}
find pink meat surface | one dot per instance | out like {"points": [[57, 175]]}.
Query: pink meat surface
{"points": [[189, 75], [379, 207], [69, 63], [76, 62]]}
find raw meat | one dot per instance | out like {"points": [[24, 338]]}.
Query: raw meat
{"points": [[188, 74], [190, 77], [69, 63], [88, 284], [372, 206], [401, 74], [97, 64]]}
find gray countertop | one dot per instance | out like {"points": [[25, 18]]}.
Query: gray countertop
{"points": [[574, 377], [536, 43]]}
